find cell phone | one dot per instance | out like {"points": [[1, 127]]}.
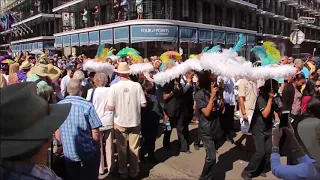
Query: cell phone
{"points": [[284, 118]]}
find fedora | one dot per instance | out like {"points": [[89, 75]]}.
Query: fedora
{"points": [[45, 70], [26, 65], [27, 120], [309, 133], [123, 68]]}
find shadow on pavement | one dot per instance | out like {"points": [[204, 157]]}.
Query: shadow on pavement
{"points": [[226, 160]]}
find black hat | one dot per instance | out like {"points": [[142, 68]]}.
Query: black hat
{"points": [[26, 119]]}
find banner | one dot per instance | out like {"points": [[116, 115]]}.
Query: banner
{"points": [[145, 33]]}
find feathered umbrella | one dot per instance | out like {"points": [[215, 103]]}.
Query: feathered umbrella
{"points": [[170, 55], [124, 52]]}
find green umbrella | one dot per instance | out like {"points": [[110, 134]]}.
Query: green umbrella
{"points": [[124, 52]]}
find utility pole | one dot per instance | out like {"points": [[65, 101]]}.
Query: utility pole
{"points": [[297, 46]]}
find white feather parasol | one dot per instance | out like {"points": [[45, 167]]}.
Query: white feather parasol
{"points": [[98, 67], [170, 74], [141, 68]]}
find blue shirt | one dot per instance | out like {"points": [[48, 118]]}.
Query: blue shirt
{"points": [[75, 131], [116, 79], [306, 169]]}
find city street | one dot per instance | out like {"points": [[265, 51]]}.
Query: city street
{"points": [[231, 161]]}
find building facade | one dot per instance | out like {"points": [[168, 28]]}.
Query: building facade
{"points": [[166, 25]]}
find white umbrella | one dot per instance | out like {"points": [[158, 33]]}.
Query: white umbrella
{"points": [[36, 52]]}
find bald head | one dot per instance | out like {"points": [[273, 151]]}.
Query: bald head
{"points": [[74, 87]]}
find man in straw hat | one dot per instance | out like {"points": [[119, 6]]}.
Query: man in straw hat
{"points": [[27, 123], [24, 69], [126, 98]]}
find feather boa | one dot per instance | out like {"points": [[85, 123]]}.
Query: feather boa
{"points": [[170, 74], [98, 67], [273, 71], [141, 68]]}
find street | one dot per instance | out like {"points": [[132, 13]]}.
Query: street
{"points": [[230, 163]]}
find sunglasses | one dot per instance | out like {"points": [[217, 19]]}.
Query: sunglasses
{"points": [[317, 86]]}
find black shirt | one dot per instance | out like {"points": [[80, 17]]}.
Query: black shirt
{"points": [[259, 123], [173, 104], [209, 126]]}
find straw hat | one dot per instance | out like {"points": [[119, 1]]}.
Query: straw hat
{"points": [[26, 119], [26, 65], [123, 68], [45, 70], [309, 132]]}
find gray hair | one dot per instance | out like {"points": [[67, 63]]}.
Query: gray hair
{"points": [[100, 80], [74, 87], [78, 75]]}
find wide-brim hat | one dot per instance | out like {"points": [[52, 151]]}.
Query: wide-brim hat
{"points": [[309, 133], [26, 65], [123, 68], [27, 120], [44, 70]]}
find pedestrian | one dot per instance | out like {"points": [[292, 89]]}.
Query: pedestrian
{"points": [[126, 99], [24, 69], [65, 80], [13, 71], [85, 17], [248, 94], [139, 7], [96, 16], [98, 96], [209, 103], [26, 132], [261, 129], [150, 117], [79, 135]]}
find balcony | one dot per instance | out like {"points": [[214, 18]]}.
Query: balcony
{"points": [[248, 3]]}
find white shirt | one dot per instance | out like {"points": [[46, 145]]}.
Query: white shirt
{"points": [[126, 97], [228, 93], [64, 83], [100, 100]]}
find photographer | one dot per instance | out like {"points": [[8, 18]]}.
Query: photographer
{"points": [[176, 111], [307, 168]]}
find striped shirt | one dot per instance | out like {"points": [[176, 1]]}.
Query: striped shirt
{"points": [[75, 131]]}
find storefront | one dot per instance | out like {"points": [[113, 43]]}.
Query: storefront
{"points": [[153, 39]]}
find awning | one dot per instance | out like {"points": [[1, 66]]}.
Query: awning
{"points": [[48, 45], [106, 36], [75, 40], [121, 35], [13, 48], [231, 38], [94, 38], [145, 33], [188, 34], [84, 39], [35, 45], [24, 47], [58, 42], [205, 35], [66, 41], [251, 39], [219, 37], [30, 46], [40, 45]]}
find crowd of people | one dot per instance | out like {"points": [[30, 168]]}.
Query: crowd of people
{"points": [[87, 111]]}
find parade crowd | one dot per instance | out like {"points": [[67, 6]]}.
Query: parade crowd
{"points": [[101, 123]]}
